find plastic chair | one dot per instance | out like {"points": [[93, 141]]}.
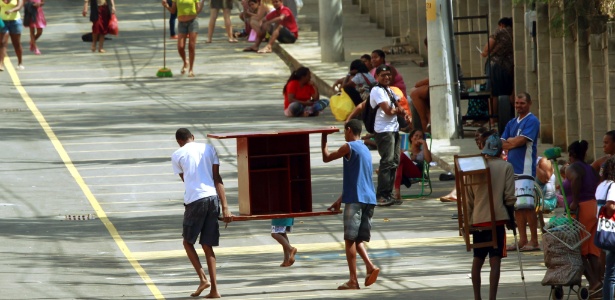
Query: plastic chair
{"points": [[425, 179]]}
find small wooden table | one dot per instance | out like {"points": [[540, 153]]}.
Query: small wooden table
{"points": [[273, 172]]}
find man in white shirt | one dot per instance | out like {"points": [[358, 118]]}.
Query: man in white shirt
{"points": [[198, 166]]}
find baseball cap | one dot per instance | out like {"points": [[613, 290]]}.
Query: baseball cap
{"points": [[493, 146]]}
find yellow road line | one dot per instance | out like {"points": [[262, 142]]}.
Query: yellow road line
{"points": [[312, 247], [100, 213]]}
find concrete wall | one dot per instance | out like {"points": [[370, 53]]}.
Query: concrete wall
{"points": [[570, 75]]}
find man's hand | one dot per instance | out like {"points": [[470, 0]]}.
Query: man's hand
{"points": [[336, 206], [227, 216]]}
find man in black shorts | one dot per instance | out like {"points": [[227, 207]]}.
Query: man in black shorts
{"points": [[503, 195], [198, 166]]}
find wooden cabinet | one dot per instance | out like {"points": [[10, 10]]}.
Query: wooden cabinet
{"points": [[274, 171]]}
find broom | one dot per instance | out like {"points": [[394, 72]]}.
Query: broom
{"points": [[164, 72]]}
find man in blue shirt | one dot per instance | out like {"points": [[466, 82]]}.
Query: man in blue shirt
{"points": [[359, 198], [520, 138]]}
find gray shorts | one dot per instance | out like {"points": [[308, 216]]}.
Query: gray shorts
{"points": [[358, 221], [188, 27], [201, 217]]}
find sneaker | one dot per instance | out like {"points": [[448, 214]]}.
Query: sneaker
{"points": [[20, 67], [384, 201]]}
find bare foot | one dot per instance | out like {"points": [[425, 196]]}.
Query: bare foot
{"points": [[265, 49], [232, 40], [291, 259], [101, 50], [200, 289], [285, 264], [190, 74], [208, 41], [93, 48], [213, 295], [184, 68]]}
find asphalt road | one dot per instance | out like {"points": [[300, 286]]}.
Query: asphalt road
{"points": [[89, 135]]}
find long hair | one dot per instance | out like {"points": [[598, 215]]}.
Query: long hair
{"points": [[296, 75]]}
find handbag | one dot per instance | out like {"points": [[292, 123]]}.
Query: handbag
{"points": [[1, 24], [113, 27], [605, 231], [341, 106]]}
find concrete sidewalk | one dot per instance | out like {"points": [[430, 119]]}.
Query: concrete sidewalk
{"points": [[362, 37]]}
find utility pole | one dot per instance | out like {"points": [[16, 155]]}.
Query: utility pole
{"points": [[443, 78], [331, 34]]}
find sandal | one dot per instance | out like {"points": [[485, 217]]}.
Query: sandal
{"points": [[347, 286]]}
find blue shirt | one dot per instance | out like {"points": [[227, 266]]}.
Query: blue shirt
{"points": [[358, 186], [523, 158]]}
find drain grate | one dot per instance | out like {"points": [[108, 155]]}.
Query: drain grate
{"points": [[10, 110], [79, 217]]}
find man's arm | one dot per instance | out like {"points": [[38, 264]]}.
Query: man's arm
{"points": [[356, 111], [488, 46], [226, 214], [337, 205], [514, 142], [326, 156]]}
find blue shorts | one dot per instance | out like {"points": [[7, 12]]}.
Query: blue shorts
{"points": [[12, 27], [188, 27]]}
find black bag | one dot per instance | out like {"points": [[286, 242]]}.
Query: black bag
{"points": [[369, 116]]}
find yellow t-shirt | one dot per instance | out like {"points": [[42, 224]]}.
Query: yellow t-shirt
{"points": [[7, 6], [186, 7]]}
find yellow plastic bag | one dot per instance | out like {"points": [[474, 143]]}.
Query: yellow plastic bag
{"points": [[341, 106]]}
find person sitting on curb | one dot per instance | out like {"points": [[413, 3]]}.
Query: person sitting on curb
{"points": [[301, 97], [357, 83], [280, 24]]}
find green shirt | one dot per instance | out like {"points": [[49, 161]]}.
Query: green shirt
{"points": [[186, 7]]}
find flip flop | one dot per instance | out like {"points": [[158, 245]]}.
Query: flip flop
{"points": [[528, 248], [264, 50], [347, 286], [447, 199], [513, 247], [371, 277]]}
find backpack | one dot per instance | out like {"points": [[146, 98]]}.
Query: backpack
{"points": [[369, 113]]}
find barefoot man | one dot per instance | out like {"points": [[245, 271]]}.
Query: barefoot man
{"points": [[359, 198], [280, 24], [198, 166]]}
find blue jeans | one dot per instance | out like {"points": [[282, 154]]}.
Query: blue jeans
{"points": [[609, 276], [172, 19]]}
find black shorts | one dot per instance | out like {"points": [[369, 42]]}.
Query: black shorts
{"points": [[221, 4], [285, 36], [201, 218], [485, 236]]}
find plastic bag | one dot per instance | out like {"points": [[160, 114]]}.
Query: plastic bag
{"points": [[113, 27], [341, 106]]}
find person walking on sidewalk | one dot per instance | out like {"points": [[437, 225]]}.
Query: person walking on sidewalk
{"points": [[503, 196], [188, 28], [172, 20], [520, 138], [359, 200], [198, 166], [279, 232], [13, 26], [214, 7], [100, 14]]}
